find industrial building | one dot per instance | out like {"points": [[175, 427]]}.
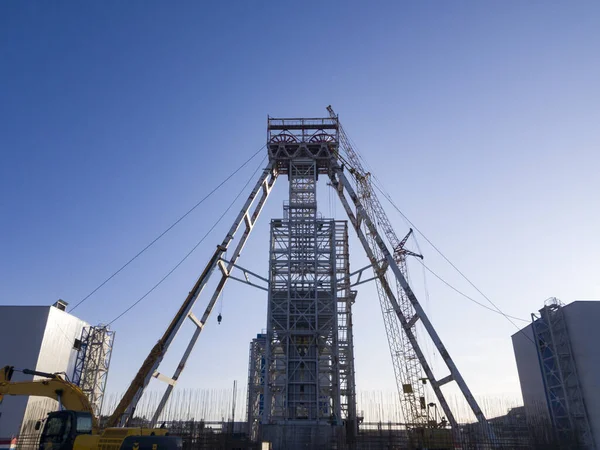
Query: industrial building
{"points": [[52, 341], [559, 370]]}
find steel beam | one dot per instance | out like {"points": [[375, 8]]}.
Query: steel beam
{"points": [[341, 182], [335, 175], [262, 187]]}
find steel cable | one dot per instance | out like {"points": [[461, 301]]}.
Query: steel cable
{"points": [[193, 248], [168, 229]]}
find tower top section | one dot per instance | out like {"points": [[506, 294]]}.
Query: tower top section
{"points": [[314, 138]]}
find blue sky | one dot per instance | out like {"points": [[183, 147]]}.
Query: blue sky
{"points": [[480, 119]]}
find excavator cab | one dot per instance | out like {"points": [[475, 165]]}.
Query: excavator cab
{"points": [[76, 428], [62, 427]]}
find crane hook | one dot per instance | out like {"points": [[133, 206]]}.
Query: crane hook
{"points": [[219, 318]]}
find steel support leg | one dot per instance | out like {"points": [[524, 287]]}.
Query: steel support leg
{"points": [[265, 185], [380, 268], [341, 183], [127, 405]]}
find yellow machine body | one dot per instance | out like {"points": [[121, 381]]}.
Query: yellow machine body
{"points": [[112, 438], [74, 400]]}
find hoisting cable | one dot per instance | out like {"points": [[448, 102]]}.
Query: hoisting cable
{"points": [[467, 297], [193, 248], [245, 163], [428, 269], [496, 308], [220, 315], [427, 302], [375, 180]]}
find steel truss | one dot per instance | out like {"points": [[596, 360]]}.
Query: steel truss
{"points": [[92, 364], [559, 372], [257, 375], [302, 349], [302, 149], [256, 384], [248, 216], [345, 300], [407, 367], [359, 216], [261, 190]]}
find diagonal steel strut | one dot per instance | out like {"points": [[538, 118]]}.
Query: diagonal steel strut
{"points": [[407, 368], [342, 185], [126, 406], [265, 185], [376, 249]]}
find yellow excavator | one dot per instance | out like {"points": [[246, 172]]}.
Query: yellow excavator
{"points": [[74, 426]]}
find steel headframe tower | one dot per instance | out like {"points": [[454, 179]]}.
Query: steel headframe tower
{"points": [[303, 351], [302, 149], [92, 364]]}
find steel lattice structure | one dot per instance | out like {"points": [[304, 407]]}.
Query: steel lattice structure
{"points": [[304, 149], [92, 364], [301, 355], [302, 362], [407, 366], [559, 372], [345, 334], [256, 384], [332, 237]]}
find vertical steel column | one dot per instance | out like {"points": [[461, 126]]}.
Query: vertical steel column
{"points": [[271, 381], [345, 300]]}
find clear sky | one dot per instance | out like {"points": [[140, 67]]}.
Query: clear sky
{"points": [[480, 118]]}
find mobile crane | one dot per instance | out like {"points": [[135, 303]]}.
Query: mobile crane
{"points": [[74, 426]]}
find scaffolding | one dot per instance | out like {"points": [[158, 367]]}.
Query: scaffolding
{"points": [[559, 373], [345, 300], [302, 348], [92, 363], [256, 384]]}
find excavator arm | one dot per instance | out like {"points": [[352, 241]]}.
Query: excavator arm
{"points": [[55, 387]]}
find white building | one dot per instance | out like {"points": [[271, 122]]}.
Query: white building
{"points": [[40, 338], [558, 361]]}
